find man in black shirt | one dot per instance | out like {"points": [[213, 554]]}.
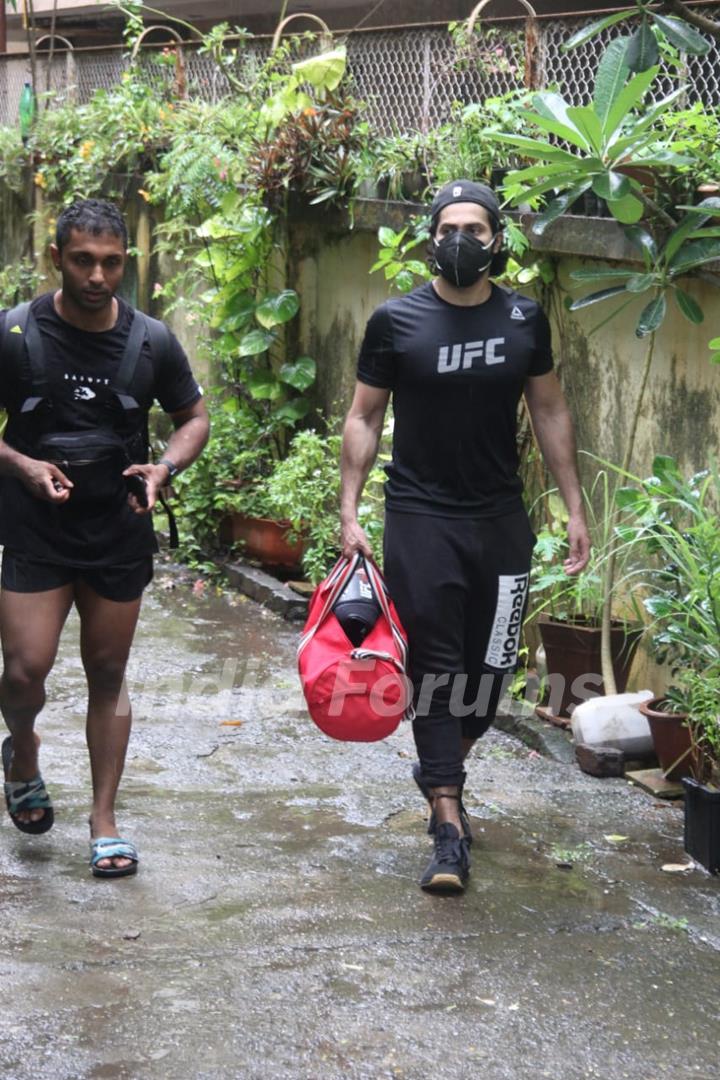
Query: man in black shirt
{"points": [[76, 495], [457, 354]]}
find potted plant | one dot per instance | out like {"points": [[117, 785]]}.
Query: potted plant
{"points": [[569, 609], [304, 491], [676, 520]]}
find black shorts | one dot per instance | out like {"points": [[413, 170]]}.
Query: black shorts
{"points": [[122, 582]]}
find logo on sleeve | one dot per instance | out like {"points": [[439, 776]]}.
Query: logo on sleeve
{"points": [[516, 313]]}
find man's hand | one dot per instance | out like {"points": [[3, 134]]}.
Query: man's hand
{"points": [[44, 480], [155, 477], [579, 541], [352, 539]]}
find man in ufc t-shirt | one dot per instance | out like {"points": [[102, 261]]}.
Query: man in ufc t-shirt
{"points": [[79, 531], [457, 354]]}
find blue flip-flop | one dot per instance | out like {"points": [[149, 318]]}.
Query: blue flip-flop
{"points": [[26, 795], [112, 847]]}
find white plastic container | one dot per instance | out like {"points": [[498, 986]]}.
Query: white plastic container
{"points": [[614, 720]]}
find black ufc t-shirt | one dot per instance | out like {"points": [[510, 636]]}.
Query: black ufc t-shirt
{"points": [[80, 367], [457, 375]]}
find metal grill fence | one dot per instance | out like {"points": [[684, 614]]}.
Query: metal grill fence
{"points": [[409, 78]]}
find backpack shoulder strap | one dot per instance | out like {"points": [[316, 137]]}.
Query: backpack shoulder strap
{"points": [[22, 338], [142, 328]]}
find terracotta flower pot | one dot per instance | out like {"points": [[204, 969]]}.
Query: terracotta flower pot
{"points": [[264, 539], [573, 655], [672, 739]]}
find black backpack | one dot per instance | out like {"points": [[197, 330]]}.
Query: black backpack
{"points": [[22, 338]]}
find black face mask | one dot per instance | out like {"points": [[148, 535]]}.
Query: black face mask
{"points": [[462, 259]]}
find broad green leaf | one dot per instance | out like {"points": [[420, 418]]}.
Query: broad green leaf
{"points": [[709, 207], [642, 50], [611, 185], [555, 183], [627, 99], [689, 307], [388, 237], [557, 207], [715, 358], [325, 71], [693, 254], [600, 275], [651, 317], [534, 172], [532, 148], [640, 283], [626, 210], [263, 386], [404, 280], [277, 309], [629, 497], [704, 234], [679, 235], [643, 241], [588, 32], [292, 411], [300, 374], [596, 297], [665, 467], [552, 113], [254, 343], [682, 35], [634, 138], [610, 78], [554, 127], [588, 124], [714, 344], [229, 202]]}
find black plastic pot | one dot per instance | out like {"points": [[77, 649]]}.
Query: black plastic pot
{"points": [[702, 824]]}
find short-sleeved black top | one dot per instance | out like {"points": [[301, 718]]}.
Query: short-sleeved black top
{"points": [[80, 367], [457, 375]]}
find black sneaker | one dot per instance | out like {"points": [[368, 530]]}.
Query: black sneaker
{"points": [[450, 865], [427, 794]]}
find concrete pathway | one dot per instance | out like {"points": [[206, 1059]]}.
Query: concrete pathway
{"points": [[275, 930]]}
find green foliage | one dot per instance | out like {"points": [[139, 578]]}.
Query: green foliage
{"points": [[675, 522], [18, 281], [395, 249], [690, 245], [602, 137], [580, 597], [304, 489], [641, 47]]}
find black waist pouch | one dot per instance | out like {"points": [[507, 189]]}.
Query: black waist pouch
{"points": [[93, 460]]}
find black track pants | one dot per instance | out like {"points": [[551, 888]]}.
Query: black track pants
{"points": [[460, 588]]}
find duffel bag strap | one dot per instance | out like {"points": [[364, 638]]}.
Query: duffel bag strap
{"points": [[333, 584]]}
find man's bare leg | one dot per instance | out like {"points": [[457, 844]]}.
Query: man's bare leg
{"points": [[106, 634], [30, 627]]}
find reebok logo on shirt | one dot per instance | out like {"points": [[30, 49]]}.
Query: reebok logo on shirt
{"points": [[516, 313], [464, 356]]}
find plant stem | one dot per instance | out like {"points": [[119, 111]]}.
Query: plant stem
{"points": [[608, 672], [653, 208]]}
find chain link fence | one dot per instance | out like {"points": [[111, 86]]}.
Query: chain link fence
{"points": [[409, 79]]}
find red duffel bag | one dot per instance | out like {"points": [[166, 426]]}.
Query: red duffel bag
{"points": [[358, 694]]}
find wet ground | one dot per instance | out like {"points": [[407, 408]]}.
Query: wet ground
{"points": [[276, 930]]}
